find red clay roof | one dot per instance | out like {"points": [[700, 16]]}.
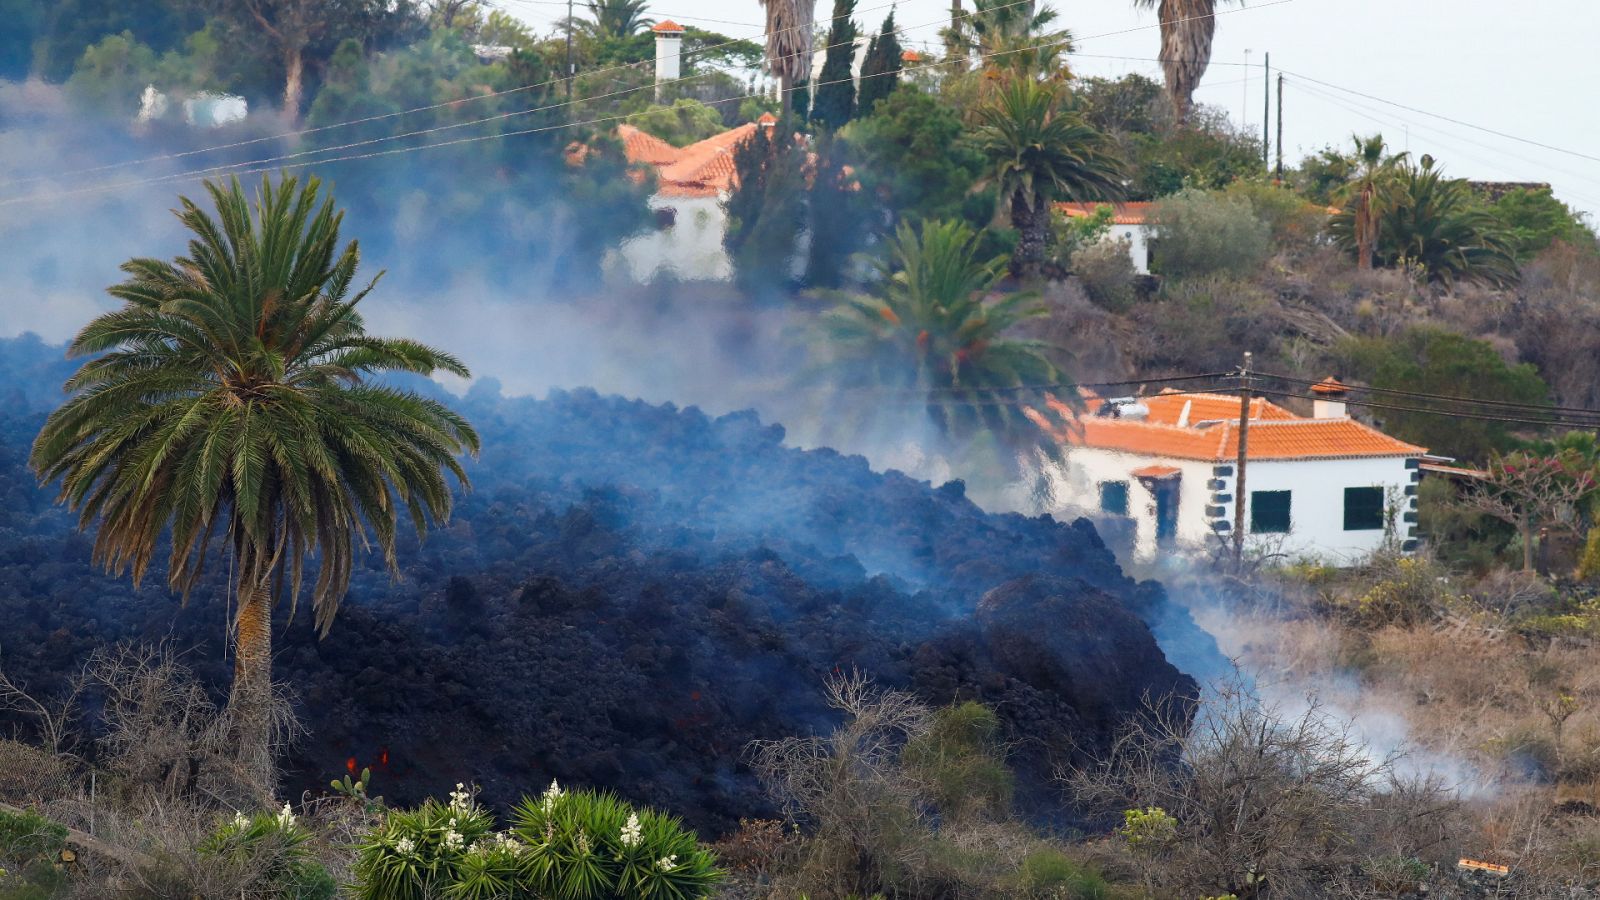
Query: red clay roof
{"points": [[1329, 385], [1275, 433], [1156, 472], [1121, 213], [703, 169], [668, 26]]}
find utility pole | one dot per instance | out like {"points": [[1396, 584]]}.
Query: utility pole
{"points": [[1266, 109], [569, 49], [1244, 93], [1280, 126], [1244, 445]]}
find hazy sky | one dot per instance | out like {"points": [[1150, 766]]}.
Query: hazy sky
{"points": [[1525, 69]]}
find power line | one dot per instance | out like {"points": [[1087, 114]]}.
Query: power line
{"points": [[242, 167], [1445, 118], [685, 16], [430, 107], [1447, 397], [1456, 414]]}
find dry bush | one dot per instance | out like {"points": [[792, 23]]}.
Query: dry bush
{"points": [[869, 795], [1106, 271], [1263, 803]]}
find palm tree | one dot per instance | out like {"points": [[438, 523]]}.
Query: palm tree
{"points": [[1363, 196], [932, 330], [1012, 37], [616, 18], [789, 24], [227, 403], [1187, 27], [1425, 220], [1041, 151]]}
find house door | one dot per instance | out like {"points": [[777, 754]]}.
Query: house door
{"points": [[1166, 513]]}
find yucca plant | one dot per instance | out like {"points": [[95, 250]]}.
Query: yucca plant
{"points": [[275, 844], [561, 846]]}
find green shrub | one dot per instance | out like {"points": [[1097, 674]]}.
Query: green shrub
{"points": [[1202, 232], [30, 844], [1049, 873], [276, 844], [961, 761], [564, 846], [1396, 875], [1106, 272]]}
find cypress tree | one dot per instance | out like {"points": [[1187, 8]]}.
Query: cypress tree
{"points": [[836, 87], [880, 71]]}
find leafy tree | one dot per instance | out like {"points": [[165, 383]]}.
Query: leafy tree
{"points": [[1530, 492], [1040, 150], [880, 69], [62, 29], [1435, 361], [930, 327], [834, 216], [112, 73], [1208, 153], [680, 124], [1202, 232], [1130, 104], [1187, 27], [766, 211], [1432, 222], [1533, 219], [835, 102], [913, 156], [227, 401]]}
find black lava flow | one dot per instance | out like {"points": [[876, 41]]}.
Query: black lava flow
{"points": [[629, 595]]}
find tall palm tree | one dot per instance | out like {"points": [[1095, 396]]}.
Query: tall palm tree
{"points": [[227, 403], [616, 18], [1012, 37], [1364, 197], [1041, 150], [1187, 28], [789, 24], [932, 329]]}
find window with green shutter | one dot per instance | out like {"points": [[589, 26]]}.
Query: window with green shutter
{"points": [[1363, 509], [1114, 498], [1269, 512]]}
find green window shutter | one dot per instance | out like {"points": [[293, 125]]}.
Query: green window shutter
{"points": [[1114, 497], [1269, 512], [1363, 509]]}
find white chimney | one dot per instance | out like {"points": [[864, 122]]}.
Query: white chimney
{"points": [[1327, 399], [669, 53]]}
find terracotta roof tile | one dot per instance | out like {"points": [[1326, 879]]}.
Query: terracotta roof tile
{"points": [[643, 148], [1275, 433], [1156, 472], [1121, 213], [668, 26]]}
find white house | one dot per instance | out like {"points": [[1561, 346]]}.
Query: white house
{"points": [[1326, 486], [691, 184], [1128, 223]]}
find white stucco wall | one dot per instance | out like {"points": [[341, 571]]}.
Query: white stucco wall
{"points": [[1316, 501], [1316, 506], [1138, 238], [691, 249]]}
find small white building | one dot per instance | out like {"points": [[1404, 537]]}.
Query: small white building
{"points": [[1128, 223], [1325, 487], [691, 184]]}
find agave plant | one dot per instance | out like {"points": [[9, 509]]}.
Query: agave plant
{"points": [[932, 329]]}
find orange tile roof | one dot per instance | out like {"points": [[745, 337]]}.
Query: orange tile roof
{"points": [[1275, 433], [1167, 408], [1121, 213], [668, 26], [1156, 472], [643, 148], [1329, 385]]}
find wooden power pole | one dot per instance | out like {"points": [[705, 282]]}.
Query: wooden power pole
{"points": [[1244, 451], [1280, 126], [1266, 110]]}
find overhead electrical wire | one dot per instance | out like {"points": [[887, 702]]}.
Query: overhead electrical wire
{"points": [[242, 168]]}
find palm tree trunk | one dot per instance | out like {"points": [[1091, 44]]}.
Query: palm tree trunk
{"points": [[1031, 224], [1364, 228], [1187, 27], [250, 702]]}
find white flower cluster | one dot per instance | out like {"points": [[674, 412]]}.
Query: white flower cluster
{"points": [[583, 842], [667, 863], [551, 795], [240, 821], [460, 798], [405, 846], [505, 840], [631, 832], [453, 839], [286, 816]]}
